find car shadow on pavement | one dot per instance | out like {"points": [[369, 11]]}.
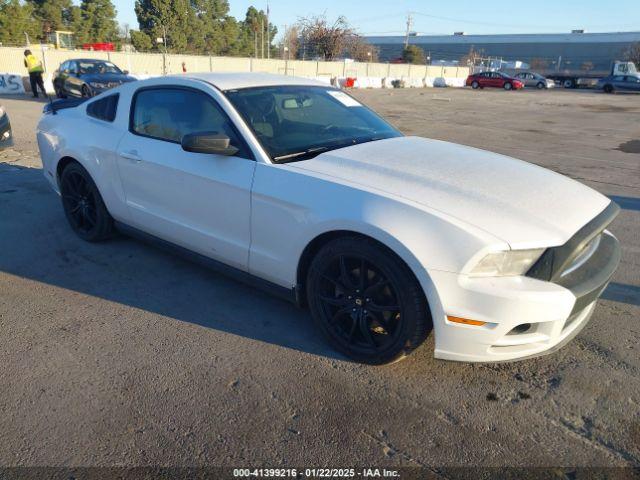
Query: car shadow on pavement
{"points": [[37, 243]]}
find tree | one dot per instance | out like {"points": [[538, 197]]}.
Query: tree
{"points": [[95, 21], [633, 54], [473, 57], [289, 43], [218, 31], [16, 19], [357, 48], [414, 54], [322, 39], [252, 40], [53, 14], [140, 41], [173, 20]]}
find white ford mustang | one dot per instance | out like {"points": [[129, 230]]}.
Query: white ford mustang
{"points": [[299, 188]]}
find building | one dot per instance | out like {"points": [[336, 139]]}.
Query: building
{"points": [[571, 51]]}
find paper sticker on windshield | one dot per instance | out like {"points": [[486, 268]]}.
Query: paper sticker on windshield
{"points": [[344, 99]]}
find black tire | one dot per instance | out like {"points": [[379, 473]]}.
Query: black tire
{"points": [[608, 88], [475, 85], [569, 83], [59, 92], [86, 93], [83, 206], [508, 86], [540, 86], [366, 301]]}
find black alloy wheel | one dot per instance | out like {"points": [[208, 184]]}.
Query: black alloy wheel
{"points": [[83, 205], [366, 301]]}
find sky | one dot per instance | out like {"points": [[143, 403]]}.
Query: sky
{"points": [[388, 17]]}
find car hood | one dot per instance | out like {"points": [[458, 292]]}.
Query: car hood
{"points": [[106, 77], [522, 204]]}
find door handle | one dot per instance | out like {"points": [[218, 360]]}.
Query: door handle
{"points": [[131, 155]]}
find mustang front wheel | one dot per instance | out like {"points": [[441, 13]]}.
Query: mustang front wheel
{"points": [[366, 301], [83, 205]]}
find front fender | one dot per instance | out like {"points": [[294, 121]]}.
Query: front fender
{"points": [[291, 208]]}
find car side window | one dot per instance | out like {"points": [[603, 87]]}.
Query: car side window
{"points": [[170, 113], [104, 109]]}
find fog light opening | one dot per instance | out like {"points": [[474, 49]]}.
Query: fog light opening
{"points": [[520, 329]]}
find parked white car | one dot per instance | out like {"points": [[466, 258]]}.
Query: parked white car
{"points": [[299, 188]]}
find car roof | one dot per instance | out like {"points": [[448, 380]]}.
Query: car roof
{"points": [[231, 81], [87, 60]]}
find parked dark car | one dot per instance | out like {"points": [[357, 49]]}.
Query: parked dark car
{"points": [[495, 80], [87, 77], [6, 137], [620, 83]]}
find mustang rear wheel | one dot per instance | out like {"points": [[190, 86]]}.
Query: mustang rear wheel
{"points": [[83, 205], [366, 301], [508, 86]]}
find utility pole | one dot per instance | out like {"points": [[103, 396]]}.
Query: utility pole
{"points": [[285, 46], [262, 37], [268, 34], [409, 25]]}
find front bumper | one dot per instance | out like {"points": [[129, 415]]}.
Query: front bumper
{"points": [[525, 316]]}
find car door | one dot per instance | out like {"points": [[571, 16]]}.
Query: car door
{"points": [[523, 77], [531, 80], [198, 201], [496, 80], [619, 83], [630, 83], [72, 83], [633, 84]]}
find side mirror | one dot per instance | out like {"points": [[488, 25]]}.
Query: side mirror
{"points": [[126, 72], [208, 142]]}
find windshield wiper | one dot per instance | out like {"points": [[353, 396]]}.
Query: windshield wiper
{"points": [[310, 153]]}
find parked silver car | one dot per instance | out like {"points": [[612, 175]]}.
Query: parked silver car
{"points": [[535, 80]]}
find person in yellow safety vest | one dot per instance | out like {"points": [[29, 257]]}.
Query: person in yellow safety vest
{"points": [[34, 67]]}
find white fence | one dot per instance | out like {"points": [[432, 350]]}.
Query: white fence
{"points": [[368, 75]]}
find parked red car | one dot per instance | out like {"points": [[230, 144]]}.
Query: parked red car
{"points": [[495, 80]]}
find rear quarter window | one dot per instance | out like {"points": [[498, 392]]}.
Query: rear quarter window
{"points": [[104, 109]]}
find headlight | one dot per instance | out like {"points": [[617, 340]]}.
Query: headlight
{"points": [[506, 263], [98, 85]]}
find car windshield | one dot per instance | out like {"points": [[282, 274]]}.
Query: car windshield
{"points": [[85, 67], [299, 122]]}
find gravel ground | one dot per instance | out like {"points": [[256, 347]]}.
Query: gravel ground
{"points": [[118, 354]]}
